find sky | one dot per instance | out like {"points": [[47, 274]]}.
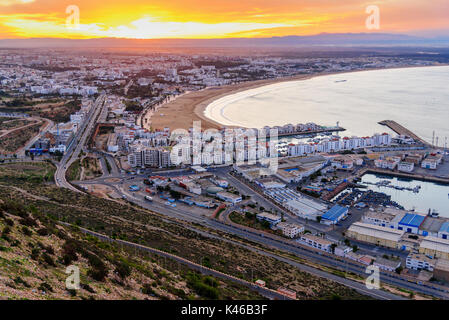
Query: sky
{"points": [[155, 19]]}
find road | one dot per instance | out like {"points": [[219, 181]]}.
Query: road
{"points": [[77, 144], [266, 292], [182, 213], [48, 124]]}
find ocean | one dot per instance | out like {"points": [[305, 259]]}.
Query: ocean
{"points": [[417, 98]]}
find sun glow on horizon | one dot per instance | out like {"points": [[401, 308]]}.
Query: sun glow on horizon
{"points": [[137, 19]]}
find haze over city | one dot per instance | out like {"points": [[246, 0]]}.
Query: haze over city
{"points": [[211, 158]]}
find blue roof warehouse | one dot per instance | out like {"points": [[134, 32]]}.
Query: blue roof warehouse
{"points": [[335, 214]]}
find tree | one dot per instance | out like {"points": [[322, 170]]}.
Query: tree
{"points": [[123, 269], [175, 194], [398, 270], [318, 219], [333, 246]]}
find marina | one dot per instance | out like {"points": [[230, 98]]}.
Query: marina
{"points": [[417, 195], [387, 184]]}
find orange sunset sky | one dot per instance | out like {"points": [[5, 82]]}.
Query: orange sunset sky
{"points": [[217, 19]]}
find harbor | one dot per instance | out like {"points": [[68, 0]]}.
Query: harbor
{"points": [[387, 184], [418, 195], [401, 130]]}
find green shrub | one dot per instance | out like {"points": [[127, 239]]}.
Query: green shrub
{"points": [[44, 286], [26, 231], [123, 269]]}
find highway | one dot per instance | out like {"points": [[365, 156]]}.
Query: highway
{"points": [[266, 292], [77, 144], [183, 214], [29, 144]]}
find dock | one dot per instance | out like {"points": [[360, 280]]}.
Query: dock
{"points": [[401, 130], [413, 176]]}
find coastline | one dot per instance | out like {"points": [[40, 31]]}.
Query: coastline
{"points": [[181, 112]]}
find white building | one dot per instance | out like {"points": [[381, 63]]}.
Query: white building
{"points": [[420, 262], [290, 230], [316, 242], [406, 166], [429, 164], [229, 197]]}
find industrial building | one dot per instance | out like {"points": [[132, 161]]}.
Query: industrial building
{"points": [[387, 264], [334, 215], [435, 247], [443, 233], [377, 235], [229, 197], [411, 222], [441, 270]]}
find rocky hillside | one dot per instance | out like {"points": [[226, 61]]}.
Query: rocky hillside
{"points": [[36, 248]]}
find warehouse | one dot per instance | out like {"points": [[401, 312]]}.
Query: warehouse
{"points": [[377, 235], [334, 215], [411, 222], [435, 247]]}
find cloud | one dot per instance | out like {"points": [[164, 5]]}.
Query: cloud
{"points": [[144, 28], [6, 3]]}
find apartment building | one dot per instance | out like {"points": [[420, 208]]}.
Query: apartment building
{"points": [[149, 157], [418, 261], [316, 242], [290, 230]]}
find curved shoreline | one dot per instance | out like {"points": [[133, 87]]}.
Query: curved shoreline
{"points": [[181, 113]]}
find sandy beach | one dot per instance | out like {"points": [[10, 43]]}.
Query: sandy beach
{"points": [[180, 113]]}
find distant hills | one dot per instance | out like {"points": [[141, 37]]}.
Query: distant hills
{"points": [[323, 39]]}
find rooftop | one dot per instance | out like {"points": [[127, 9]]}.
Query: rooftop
{"points": [[334, 213], [412, 220], [269, 216], [376, 231], [388, 262], [444, 227], [442, 264], [432, 224], [436, 244], [421, 257]]}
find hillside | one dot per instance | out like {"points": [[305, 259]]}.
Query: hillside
{"points": [[26, 189], [35, 252]]}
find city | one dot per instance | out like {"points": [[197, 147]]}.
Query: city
{"points": [[211, 172]]}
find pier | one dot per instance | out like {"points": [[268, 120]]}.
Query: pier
{"points": [[403, 175], [401, 130]]}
